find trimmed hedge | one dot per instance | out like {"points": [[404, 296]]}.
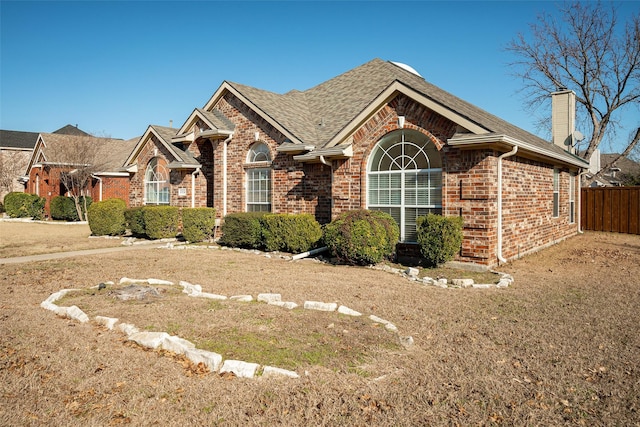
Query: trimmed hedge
{"points": [[361, 237], [293, 233], [439, 237], [24, 205], [161, 222], [242, 230], [198, 224], [134, 219], [106, 218], [64, 208]]}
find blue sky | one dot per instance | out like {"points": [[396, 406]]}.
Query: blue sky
{"points": [[114, 67]]}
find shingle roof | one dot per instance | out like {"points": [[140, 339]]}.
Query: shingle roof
{"points": [[184, 156], [339, 100], [18, 139], [70, 130], [111, 153]]}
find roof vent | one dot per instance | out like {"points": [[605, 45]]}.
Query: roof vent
{"points": [[407, 68]]}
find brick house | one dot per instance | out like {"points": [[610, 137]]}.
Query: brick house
{"points": [[378, 137], [57, 154]]}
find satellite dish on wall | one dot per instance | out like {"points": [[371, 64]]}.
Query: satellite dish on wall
{"points": [[578, 136]]}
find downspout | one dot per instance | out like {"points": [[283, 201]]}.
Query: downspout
{"points": [[325, 162], [224, 174], [580, 231], [99, 187], [501, 258], [193, 187]]}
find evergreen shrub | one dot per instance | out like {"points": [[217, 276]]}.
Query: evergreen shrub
{"points": [[106, 218], [439, 237], [64, 208], [161, 222], [24, 205], [134, 218], [361, 237], [293, 233], [242, 230], [198, 224]]}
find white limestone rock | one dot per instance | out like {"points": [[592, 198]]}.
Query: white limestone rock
{"points": [[208, 358], [108, 322], [388, 325], [189, 289], [239, 368], [128, 281], [412, 272], [75, 313], [269, 298], [284, 304], [241, 298], [463, 283], [210, 296], [270, 372], [157, 282], [149, 339], [176, 344], [128, 329], [349, 312], [321, 306]]}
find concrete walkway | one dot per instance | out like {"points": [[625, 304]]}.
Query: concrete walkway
{"points": [[70, 254]]}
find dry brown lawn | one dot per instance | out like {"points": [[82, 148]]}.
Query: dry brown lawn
{"points": [[559, 347]]}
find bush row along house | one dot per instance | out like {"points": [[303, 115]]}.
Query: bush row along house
{"points": [[376, 137]]}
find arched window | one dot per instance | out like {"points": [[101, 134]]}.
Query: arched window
{"points": [[156, 182], [259, 178], [405, 179]]}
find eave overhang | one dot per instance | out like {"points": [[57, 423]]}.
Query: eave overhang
{"points": [[183, 166], [505, 142], [333, 153], [291, 148]]}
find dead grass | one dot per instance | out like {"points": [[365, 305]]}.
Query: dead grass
{"points": [[559, 347]]}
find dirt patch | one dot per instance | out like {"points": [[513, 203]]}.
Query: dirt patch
{"points": [[559, 346]]}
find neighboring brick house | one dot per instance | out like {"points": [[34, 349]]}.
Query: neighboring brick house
{"points": [[620, 173], [378, 137], [16, 148], [57, 154]]}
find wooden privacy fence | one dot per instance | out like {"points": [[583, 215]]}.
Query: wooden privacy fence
{"points": [[615, 209]]}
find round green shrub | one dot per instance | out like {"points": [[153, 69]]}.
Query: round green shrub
{"points": [[361, 237], [134, 218], [439, 237], [106, 218], [242, 230], [24, 205], [293, 233], [63, 208], [161, 222], [198, 224]]}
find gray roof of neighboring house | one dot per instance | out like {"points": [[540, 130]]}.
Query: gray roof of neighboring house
{"points": [[339, 100], [18, 139], [626, 165], [71, 130]]}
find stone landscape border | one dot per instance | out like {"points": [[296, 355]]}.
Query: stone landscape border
{"points": [[213, 361]]}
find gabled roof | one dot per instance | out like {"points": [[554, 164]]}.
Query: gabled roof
{"points": [[17, 139], [71, 130], [52, 149], [181, 158], [325, 115]]}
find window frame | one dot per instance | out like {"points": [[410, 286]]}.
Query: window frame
{"points": [[572, 198], [159, 188], [414, 169], [556, 193], [258, 179]]}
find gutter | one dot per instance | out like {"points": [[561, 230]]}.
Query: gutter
{"points": [[224, 174], [501, 258]]}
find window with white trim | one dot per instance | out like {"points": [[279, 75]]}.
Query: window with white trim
{"points": [[572, 198], [556, 192], [156, 182], [259, 178], [404, 179]]}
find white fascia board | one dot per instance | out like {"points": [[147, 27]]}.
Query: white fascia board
{"points": [[294, 148], [391, 92], [226, 87], [471, 140], [143, 140], [113, 174], [339, 151], [185, 137], [15, 149]]}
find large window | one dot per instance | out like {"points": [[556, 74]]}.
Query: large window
{"points": [[156, 182], [405, 179], [259, 179], [556, 193]]}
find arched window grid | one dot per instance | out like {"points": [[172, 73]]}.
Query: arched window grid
{"points": [[156, 183], [403, 180]]}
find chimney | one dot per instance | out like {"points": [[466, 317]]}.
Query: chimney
{"points": [[563, 118]]}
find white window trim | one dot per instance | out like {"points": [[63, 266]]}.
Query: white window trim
{"points": [[555, 213]]}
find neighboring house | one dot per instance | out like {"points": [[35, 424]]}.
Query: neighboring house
{"points": [[16, 148], [55, 155], [377, 137], [618, 174]]}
